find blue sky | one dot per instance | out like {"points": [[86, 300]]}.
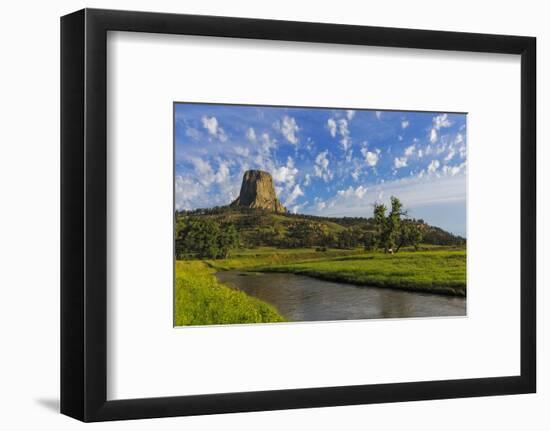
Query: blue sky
{"points": [[327, 162]]}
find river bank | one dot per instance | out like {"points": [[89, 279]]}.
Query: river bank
{"points": [[301, 298], [204, 295], [437, 270]]}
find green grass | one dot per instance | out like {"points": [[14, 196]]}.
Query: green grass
{"points": [[438, 271], [247, 259], [200, 299]]}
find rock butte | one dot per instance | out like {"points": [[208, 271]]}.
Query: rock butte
{"points": [[257, 191]]}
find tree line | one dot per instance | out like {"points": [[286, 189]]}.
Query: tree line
{"points": [[206, 237]]}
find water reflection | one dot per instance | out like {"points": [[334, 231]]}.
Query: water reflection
{"points": [[301, 298]]}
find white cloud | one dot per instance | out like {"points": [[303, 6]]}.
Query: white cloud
{"points": [[186, 190], [286, 174], [267, 142], [410, 150], [420, 154], [214, 129], [288, 128], [350, 192], [350, 113], [251, 134], [211, 124], [434, 165], [405, 124], [340, 127], [332, 128], [206, 174], [453, 170], [433, 135], [371, 158], [321, 167], [440, 121], [345, 142], [241, 151], [459, 140], [295, 194], [360, 192], [223, 173], [203, 169], [400, 162], [378, 114], [413, 191], [450, 154]]}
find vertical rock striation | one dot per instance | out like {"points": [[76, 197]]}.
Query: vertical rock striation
{"points": [[257, 191]]}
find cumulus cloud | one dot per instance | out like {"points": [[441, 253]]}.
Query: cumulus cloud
{"points": [[453, 170], [378, 114], [410, 150], [345, 142], [450, 154], [213, 128], [186, 190], [288, 128], [332, 127], [350, 113], [205, 173], [358, 192], [251, 134], [267, 142], [405, 124], [440, 121], [371, 158], [433, 166], [321, 167], [399, 162], [286, 174], [294, 194], [241, 151], [340, 127], [433, 135]]}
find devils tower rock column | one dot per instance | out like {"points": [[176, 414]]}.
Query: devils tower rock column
{"points": [[257, 191]]}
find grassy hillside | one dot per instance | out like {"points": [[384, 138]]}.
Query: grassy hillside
{"points": [[201, 300], [263, 228]]}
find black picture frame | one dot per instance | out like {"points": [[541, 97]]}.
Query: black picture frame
{"points": [[84, 214]]}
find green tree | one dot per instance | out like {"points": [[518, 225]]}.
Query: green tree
{"points": [[409, 235], [228, 240], [392, 232], [205, 238]]}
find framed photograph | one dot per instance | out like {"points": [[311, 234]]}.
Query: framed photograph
{"points": [[262, 215]]}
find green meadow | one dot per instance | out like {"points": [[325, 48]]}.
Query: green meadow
{"points": [[200, 299]]}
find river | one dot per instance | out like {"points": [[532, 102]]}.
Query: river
{"points": [[300, 298]]}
